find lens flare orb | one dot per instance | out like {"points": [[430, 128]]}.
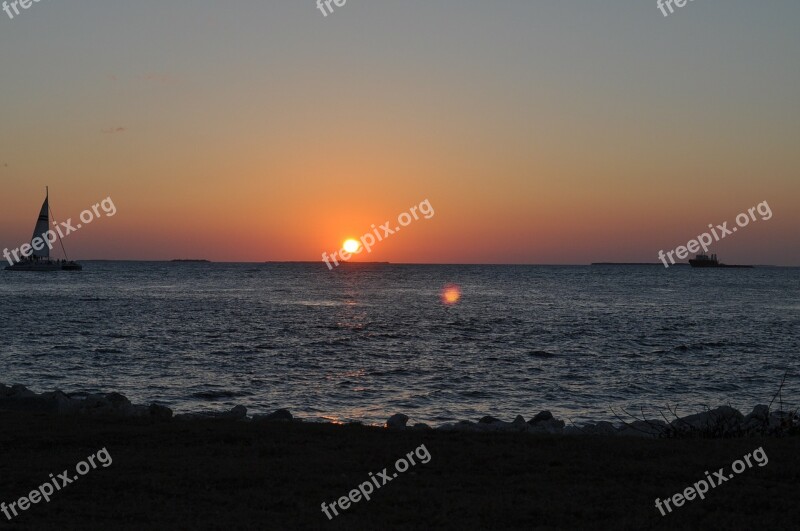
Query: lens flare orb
{"points": [[451, 294]]}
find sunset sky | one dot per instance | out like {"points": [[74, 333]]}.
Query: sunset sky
{"points": [[540, 131]]}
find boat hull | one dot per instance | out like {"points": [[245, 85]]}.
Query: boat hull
{"points": [[704, 263], [44, 267], [714, 264]]}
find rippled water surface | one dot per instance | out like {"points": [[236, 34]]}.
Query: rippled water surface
{"points": [[362, 342]]}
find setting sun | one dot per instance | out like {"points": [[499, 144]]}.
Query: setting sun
{"points": [[351, 246]]}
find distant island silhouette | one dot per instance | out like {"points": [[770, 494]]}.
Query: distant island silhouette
{"points": [[317, 262], [634, 264]]}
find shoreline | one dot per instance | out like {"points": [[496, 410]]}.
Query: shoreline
{"points": [[720, 422]]}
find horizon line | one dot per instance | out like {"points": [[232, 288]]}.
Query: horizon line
{"points": [[590, 264]]}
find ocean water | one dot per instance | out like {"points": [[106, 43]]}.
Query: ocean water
{"points": [[365, 341]]}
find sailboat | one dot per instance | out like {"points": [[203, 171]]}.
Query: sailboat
{"points": [[39, 259]]}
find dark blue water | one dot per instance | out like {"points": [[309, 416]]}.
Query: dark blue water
{"points": [[363, 342]]}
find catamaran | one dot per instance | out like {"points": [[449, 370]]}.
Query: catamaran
{"points": [[39, 260]]}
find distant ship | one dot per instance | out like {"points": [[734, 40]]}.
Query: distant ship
{"points": [[703, 260], [39, 260]]}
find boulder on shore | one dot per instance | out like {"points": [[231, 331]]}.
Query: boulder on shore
{"points": [[19, 398], [722, 421], [281, 415], [542, 416], [397, 421], [160, 412], [520, 422], [758, 419]]}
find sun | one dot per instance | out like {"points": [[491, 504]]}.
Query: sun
{"points": [[351, 246]]}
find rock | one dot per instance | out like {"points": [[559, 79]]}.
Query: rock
{"points": [[761, 411], [397, 422], [520, 421], [488, 420], [422, 426], [94, 405], [723, 420], [464, 425], [18, 398], [541, 417], [20, 391], [61, 403], [282, 415], [758, 420], [118, 401], [544, 422], [573, 430], [159, 411], [237, 412], [120, 405], [112, 404]]}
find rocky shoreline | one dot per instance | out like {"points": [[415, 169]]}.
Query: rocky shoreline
{"points": [[721, 422]]}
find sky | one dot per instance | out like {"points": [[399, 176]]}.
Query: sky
{"points": [[541, 132]]}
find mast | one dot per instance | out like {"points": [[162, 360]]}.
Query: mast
{"points": [[47, 201]]}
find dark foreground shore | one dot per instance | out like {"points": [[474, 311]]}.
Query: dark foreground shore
{"points": [[225, 474]]}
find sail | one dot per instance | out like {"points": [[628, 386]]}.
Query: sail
{"points": [[42, 226]]}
